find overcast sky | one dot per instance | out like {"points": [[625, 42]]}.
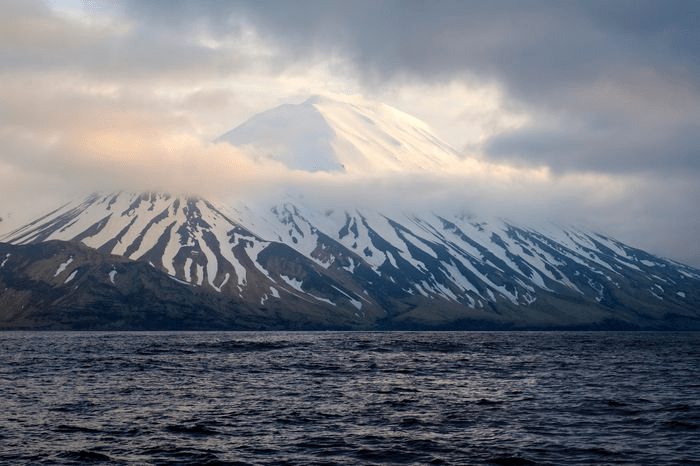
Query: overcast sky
{"points": [[592, 107]]}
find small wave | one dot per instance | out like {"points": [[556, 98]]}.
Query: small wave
{"points": [[677, 407], [68, 429], [600, 451], [186, 456], [237, 346], [295, 418], [403, 403], [324, 444], [79, 407], [409, 422], [196, 429], [485, 402], [681, 425], [616, 404], [392, 455], [511, 461], [84, 456]]}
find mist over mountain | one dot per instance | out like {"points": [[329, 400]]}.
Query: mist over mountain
{"points": [[314, 256]]}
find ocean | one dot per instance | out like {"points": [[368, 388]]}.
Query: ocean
{"points": [[287, 398]]}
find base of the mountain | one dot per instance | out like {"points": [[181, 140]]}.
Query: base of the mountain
{"points": [[60, 285]]}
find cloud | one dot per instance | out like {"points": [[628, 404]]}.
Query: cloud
{"points": [[618, 149], [638, 122], [67, 135], [529, 44], [554, 59]]}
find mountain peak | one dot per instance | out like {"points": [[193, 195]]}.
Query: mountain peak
{"points": [[346, 133]]}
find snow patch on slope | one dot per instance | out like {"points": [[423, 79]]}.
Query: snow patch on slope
{"points": [[71, 276], [62, 267]]}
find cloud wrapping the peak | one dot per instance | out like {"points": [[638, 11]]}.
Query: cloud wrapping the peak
{"points": [[558, 58]]}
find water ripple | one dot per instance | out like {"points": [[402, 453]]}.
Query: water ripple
{"points": [[349, 398]]}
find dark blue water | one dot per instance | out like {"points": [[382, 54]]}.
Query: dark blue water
{"points": [[350, 398]]}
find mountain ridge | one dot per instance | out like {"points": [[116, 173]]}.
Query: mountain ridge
{"points": [[373, 270]]}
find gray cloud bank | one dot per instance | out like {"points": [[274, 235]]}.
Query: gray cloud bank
{"points": [[619, 78]]}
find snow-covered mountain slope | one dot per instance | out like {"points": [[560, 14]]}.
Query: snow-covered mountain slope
{"points": [[350, 267], [366, 267], [195, 243], [350, 134], [68, 286]]}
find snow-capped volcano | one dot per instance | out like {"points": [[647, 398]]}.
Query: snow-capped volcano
{"points": [[350, 134], [287, 264]]}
